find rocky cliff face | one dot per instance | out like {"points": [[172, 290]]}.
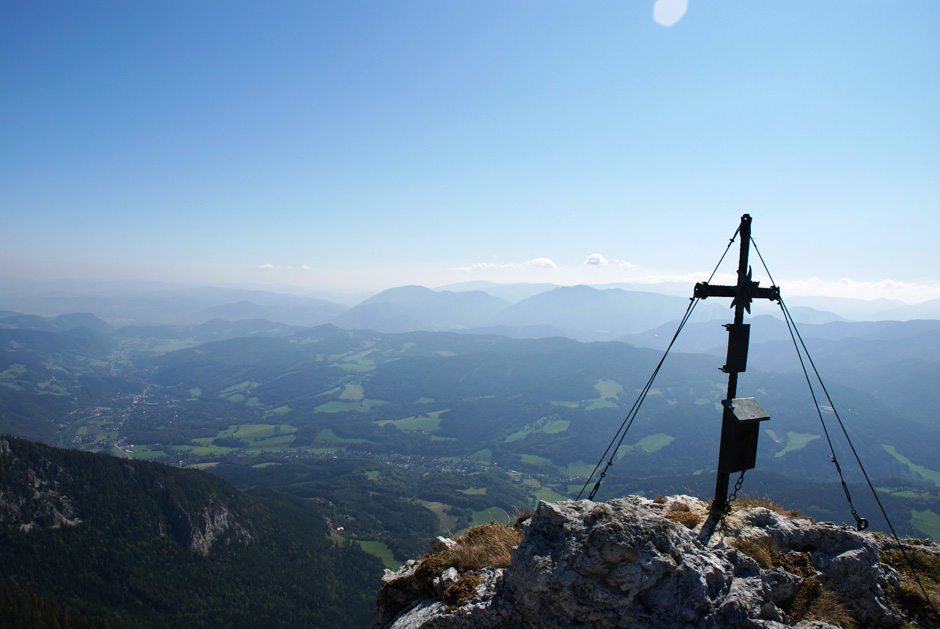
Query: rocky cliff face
{"points": [[635, 562], [39, 493], [33, 497]]}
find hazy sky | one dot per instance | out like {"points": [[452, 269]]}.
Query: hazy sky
{"points": [[367, 144]]}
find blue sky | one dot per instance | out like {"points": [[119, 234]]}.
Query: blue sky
{"points": [[360, 145]]}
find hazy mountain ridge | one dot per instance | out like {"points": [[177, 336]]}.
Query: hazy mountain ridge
{"points": [[599, 312], [412, 308]]}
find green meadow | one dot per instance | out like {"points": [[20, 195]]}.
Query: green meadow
{"points": [[924, 472], [383, 552], [428, 422], [796, 441]]}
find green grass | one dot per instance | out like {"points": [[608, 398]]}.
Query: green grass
{"points": [[13, 372], [49, 388], [278, 442], [489, 515], [926, 522], [331, 450], [165, 347], [533, 459], [210, 450], [483, 456], [280, 410], [260, 438], [353, 392], [925, 473], [383, 552], [340, 407], [428, 422], [555, 427], [906, 492], [448, 522], [551, 428], [549, 495], [237, 387], [578, 468], [608, 389], [194, 393], [328, 436], [203, 466], [654, 443], [110, 435], [253, 432], [520, 434], [357, 362], [650, 444], [238, 393], [142, 452], [796, 441], [473, 491]]}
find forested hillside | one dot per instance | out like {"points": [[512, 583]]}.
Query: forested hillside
{"points": [[109, 542]]}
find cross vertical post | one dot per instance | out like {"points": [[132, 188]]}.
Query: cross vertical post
{"points": [[740, 418]]}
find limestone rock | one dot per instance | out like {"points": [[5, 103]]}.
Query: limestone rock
{"points": [[630, 563]]}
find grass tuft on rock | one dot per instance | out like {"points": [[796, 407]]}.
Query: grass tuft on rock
{"points": [[485, 546], [681, 513], [747, 502], [461, 592], [910, 596], [761, 550], [814, 602]]}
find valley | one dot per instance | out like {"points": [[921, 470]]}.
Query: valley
{"points": [[529, 415]]}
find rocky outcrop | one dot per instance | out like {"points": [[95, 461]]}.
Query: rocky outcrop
{"points": [[200, 531], [39, 501], [38, 493], [634, 562]]}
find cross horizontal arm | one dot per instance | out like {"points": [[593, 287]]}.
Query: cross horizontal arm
{"points": [[704, 290]]}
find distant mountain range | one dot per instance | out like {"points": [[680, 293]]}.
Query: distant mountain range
{"points": [[585, 313]]}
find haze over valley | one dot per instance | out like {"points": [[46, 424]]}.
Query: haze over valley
{"points": [[288, 290]]}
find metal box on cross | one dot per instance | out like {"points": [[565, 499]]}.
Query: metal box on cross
{"points": [[739, 432]]}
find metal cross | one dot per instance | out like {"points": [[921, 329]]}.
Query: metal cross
{"points": [[740, 417]]}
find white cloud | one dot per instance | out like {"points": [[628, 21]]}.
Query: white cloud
{"points": [[596, 259], [624, 263], [545, 263], [887, 289], [487, 266], [266, 266], [668, 12]]}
